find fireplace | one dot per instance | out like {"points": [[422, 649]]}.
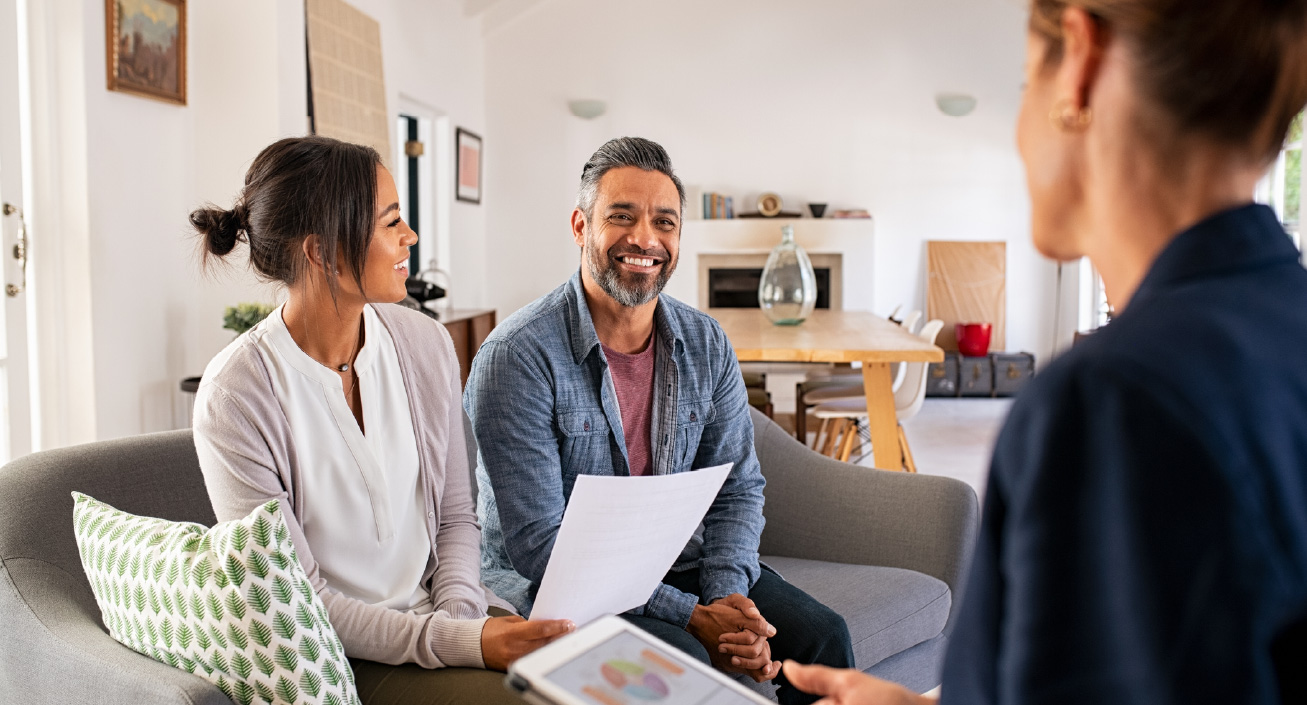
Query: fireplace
{"points": [[731, 280]]}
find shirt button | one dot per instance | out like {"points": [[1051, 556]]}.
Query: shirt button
{"points": [[431, 514]]}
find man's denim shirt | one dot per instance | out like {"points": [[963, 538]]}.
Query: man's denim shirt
{"points": [[544, 410]]}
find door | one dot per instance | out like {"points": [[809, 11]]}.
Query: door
{"points": [[15, 400]]}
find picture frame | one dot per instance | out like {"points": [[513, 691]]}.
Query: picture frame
{"points": [[145, 48], [467, 147]]}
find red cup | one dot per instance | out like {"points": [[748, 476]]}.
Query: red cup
{"points": [[973, 338]]}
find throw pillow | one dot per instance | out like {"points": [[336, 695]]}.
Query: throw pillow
{"points": [[230, 604]]}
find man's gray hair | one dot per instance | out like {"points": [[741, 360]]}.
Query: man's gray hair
{"points": [[620, 152]]}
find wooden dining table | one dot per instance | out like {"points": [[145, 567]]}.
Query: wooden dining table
{"points": [[837, 336]]}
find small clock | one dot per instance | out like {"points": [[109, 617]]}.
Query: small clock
{"points": [[769, 205]]}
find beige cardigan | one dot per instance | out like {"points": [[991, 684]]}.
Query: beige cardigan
{"points": [[248, 457]]}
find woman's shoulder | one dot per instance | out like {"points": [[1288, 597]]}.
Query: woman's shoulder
{"points": [[409, 327]]}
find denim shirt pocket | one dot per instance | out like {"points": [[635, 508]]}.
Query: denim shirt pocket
{"points": [[691, 417], [583, 444]]}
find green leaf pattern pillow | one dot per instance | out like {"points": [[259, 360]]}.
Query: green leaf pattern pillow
{"points": [[230, 604]]}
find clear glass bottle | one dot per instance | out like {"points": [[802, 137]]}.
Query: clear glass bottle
{"points": [[788, 290]]}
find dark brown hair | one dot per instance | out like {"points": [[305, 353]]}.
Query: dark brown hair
{"points": [[1234, 71], [296, 187]]}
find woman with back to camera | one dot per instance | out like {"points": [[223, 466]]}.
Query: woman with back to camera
{"points": [[347, 409], [1144, 537]]}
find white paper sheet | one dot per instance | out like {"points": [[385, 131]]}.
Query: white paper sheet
{"points": [[619, 537]]}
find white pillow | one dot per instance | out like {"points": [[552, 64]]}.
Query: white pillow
{"points": [[230, 604]]}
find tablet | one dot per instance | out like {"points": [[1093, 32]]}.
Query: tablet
{"points": [[612, 662]]}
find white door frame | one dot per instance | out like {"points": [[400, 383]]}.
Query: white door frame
{"points": [[15, 375]]}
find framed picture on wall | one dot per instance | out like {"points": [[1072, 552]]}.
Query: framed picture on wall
{"points": [[468, 148], [145, 48]]}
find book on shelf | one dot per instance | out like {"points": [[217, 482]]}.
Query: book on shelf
{"points": [[718, 207]]}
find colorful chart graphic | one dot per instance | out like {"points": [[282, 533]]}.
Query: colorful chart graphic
{"points": [[633, 680]]}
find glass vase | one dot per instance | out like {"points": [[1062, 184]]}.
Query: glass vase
{"points": [[788, 290]]}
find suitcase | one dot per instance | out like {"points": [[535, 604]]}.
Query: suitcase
{"points": [[942, 377], [1011, 372], [975, 377]]}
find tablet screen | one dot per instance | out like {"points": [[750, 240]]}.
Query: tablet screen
{"points": [[627, 670]]}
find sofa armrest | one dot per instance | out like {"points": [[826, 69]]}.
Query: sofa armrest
{"points": [[823, 509], [55, 651]]}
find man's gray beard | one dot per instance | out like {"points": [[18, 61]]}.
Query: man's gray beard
{"points": [[605, 274]]}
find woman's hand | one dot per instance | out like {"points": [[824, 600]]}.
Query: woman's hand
{"points": [[506, 639], [849, 687]]}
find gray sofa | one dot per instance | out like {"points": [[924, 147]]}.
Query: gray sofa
{"points": [[886, 550]]}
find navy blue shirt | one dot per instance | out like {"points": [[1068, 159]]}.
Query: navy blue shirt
{"points": [[1144, 537]]}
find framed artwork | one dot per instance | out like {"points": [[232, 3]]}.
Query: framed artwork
{"points": [[145, 48], [468, 147]]}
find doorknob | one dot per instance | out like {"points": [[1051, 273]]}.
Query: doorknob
{"points": [[20, 249]]}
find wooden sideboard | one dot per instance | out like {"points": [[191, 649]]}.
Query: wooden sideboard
{"points": [[469, 327]]}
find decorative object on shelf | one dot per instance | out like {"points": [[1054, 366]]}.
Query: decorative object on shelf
{"points": [[145, 48], [787, 292], [243, 317], [769, 205], [955, 104], [973, 338], [817, 209], [468, 148], [851, 213], [717, 206], [587, 109]]}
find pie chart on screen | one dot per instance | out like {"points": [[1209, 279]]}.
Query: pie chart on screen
{"points": [[632, 679]]}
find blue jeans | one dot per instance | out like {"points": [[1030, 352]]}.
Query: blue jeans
{"points": [[806, 630]]}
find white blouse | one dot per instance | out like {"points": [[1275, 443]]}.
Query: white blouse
{"points": [[363, 514]]}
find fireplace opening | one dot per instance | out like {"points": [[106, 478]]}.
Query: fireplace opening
{"points": [[737, 287]]}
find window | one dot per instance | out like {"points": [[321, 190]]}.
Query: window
{"points": [[1282, 186]]}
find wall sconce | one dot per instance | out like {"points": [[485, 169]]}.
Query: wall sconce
{"points": [[955, 104], [588, 109]]}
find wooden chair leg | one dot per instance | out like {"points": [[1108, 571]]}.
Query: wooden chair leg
{"points": [[850, 433], [908, 464], [800, 415], [832, 438], [816, 440]]}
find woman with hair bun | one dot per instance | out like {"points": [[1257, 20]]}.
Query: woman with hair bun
{"points": [[1144, 537], [346, 408]]}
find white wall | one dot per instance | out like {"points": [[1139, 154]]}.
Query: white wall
{"points": [[822, 101], [117, 250]]}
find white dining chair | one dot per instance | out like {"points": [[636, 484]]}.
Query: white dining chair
{"points": [[841, 418]]}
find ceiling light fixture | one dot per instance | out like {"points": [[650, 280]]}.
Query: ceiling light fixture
{"points": [[955, 104], [588, 109]]}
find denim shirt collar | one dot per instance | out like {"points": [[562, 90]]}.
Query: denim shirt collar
{"points": [[585, 338]]}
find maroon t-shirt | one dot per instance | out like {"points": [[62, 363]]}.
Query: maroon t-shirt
{"points": [[633, 378]]}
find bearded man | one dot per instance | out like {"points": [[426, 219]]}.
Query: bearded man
{"points": [[607, 376]]}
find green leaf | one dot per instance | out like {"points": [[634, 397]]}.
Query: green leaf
{"points": [[241, 664], [282, 533], [260, 633], [206, 544], [240, 537], [282, 590], [243, 317], [305, 589], [236, 571], [259, 599], [286, 690], [181, 605], [235, 605], [174, 572], [262, 531], [238, 637], [330, 673], [117, 532], [219, 663], [287, 658], [218, 638], [202, 639], [157, 538], [121, 567], [303, 617], [111, 559], [311, 683], [138, 598], [171, 658], [215, 607], [153, 599], [190, 542], [244, 693], [263, 663], [197, 605], [283, 625], [258, 565], [187, 664], [184, 636], [331, 699], [264, 692], [158, 567], [225, 687], [149, 629], [309, 649], [200, 572], [135, 566], [165, 630], [220, 578], [166, 602]]}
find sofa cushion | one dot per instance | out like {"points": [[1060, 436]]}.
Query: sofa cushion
{"points": [[230, 604], [888, 610]]}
